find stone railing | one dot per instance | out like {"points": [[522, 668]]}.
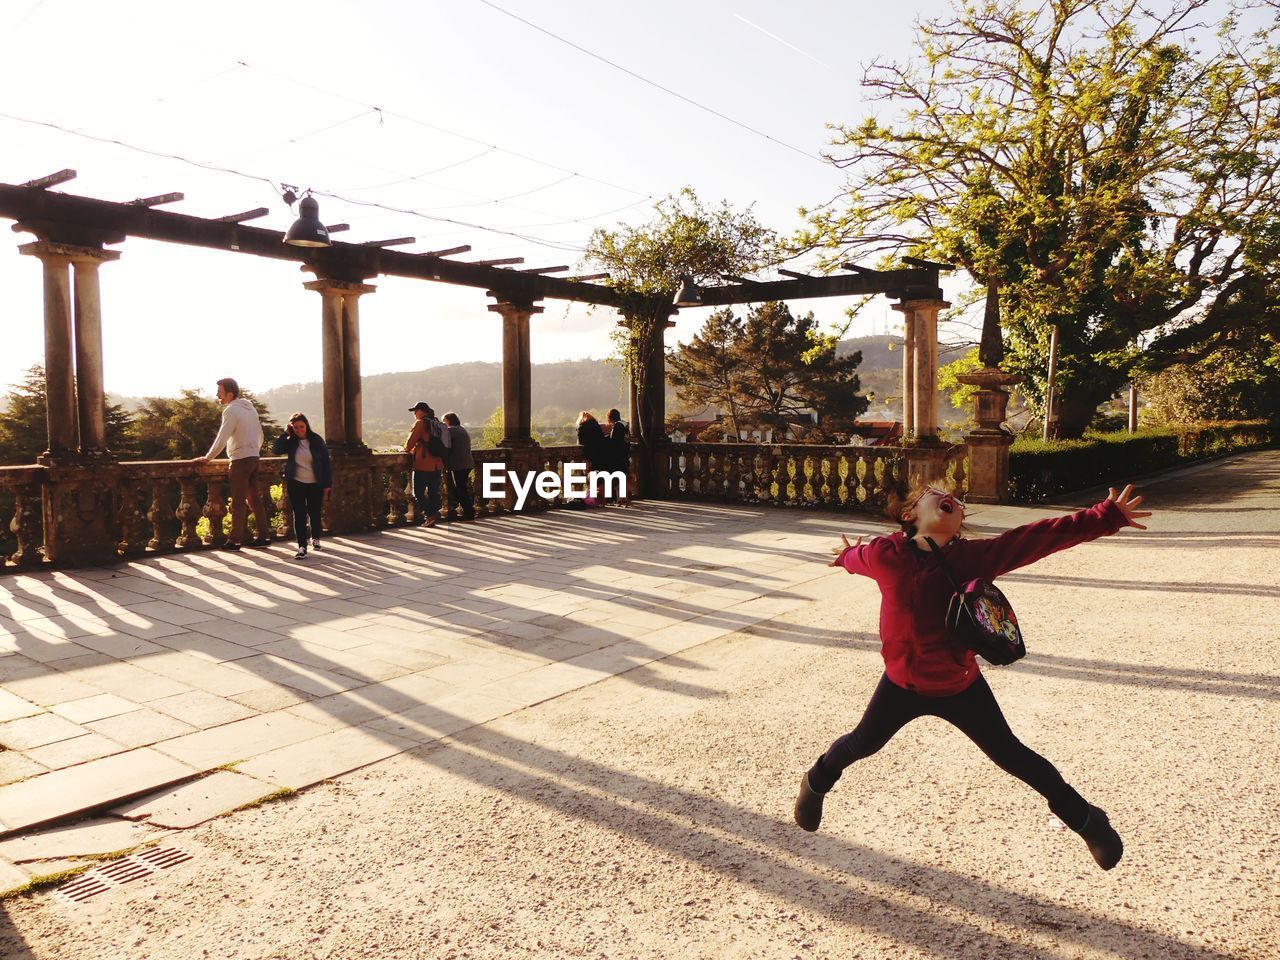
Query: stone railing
{"points": [[79, 514], [826, 477]]}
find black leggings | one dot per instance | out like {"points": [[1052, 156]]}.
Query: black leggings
{"points": [[976, 714], [307, 499]]}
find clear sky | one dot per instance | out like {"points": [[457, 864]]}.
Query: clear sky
{"points": [[483, 119]]}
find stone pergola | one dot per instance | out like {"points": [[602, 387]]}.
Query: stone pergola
{"points": [[73, 233]]}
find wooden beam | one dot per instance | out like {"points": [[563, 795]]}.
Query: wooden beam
{"points": [[66, 218], [927, 264], [544, 269], [396, 242], [465, 248], [589, 276], [253, 214], [733, 279], [857, 269], [794, 275], [158, 200], [337, 227], [52, 180], [496, 263]]}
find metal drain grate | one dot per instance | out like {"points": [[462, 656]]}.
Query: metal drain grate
{"points": [[126, 870]]}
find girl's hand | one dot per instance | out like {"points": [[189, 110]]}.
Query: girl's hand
{"points": [[839, 551], [1128, 505]]}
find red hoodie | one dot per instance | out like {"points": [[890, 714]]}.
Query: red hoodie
{"points": [[918, 653]]}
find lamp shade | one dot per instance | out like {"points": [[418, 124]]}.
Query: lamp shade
{"points": [[690, 294], [307, 230]]}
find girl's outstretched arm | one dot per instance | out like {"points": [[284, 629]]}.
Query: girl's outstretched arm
{"points": [[1035, 541], [855, 557]]}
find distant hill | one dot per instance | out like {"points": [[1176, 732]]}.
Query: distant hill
{"points": [[560, 390]]}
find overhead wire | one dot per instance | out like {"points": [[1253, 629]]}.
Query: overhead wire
{"points": [[653, 83], [272, 182]]}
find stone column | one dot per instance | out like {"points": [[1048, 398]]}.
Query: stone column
{"points": [[908, 371], [922, 323], [352, 392], [350, 503], [90, 387], [517, 372], [59, 360], [335, 433]]}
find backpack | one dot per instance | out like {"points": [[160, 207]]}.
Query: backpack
{"points": [[434, 444], [981, 618]]}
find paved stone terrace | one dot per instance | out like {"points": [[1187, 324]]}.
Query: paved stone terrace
{"points": [[276, 673]]}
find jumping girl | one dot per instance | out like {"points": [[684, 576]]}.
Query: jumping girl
{"points": [[929, 674]]}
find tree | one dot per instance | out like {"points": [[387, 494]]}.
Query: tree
{"points": [[772, 369], [1238, 382], [24, 429], [1085, 155], [182, 427], [645, 264]]}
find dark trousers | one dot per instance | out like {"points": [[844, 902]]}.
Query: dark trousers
{"points": [[977, 715], [459, 482], [307, 500], [426, 492]]}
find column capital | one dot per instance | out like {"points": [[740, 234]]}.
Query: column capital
{"points": [[925, 304], [512, 307], [72, 253], [339, 288]]}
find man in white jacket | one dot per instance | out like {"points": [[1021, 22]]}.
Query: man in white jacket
{"points": [[241, 434]]}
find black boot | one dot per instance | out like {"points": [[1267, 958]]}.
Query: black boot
{"points": [[808, 810], [1103, 841]]}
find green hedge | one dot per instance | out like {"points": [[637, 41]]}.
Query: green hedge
{"points": [[1039, 469]]}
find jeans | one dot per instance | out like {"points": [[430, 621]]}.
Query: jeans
{"points": [[307, 500], [459, 482], [976, 714], [245, 494], [426, 492]]}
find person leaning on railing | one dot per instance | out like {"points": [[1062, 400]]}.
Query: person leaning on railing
{"points": [[241, 434]]}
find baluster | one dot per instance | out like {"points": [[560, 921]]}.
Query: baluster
{"points": [[215, 508], [188, 513], [25, 526], [961, 477], [161, 515], [265, 483], [397, 498], [734, 477], [711, 483], [284, 515], [129, 518]]}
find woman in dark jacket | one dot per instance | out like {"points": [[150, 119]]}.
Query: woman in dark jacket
{"points": [[618, 444], [308, 475], [591, 439]]}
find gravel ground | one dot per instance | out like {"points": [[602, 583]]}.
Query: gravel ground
{"points": [[649, 815]]}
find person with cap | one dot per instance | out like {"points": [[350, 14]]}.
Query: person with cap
{"points": [[460, 463], [428, 442]]}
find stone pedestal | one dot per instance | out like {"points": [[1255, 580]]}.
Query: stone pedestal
{"points": [[989, 442], [347, 509], [79, 506], [926, 460]]}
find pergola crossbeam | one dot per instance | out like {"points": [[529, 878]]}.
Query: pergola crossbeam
{"points": [[559, 269], [253, 214], [337, 227], [52, 180], [497, 263], [158, 200], [394, 242], [465, 248]]}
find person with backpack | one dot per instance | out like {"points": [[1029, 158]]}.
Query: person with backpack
{"points": [[929, 673], [459, 463], [428, 442]]}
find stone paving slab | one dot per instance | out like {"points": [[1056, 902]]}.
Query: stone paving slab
{"points": [[189, 804], [84, 839], [60, 793], [302, 764]]}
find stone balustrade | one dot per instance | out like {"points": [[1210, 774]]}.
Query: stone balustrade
{"points": [[76, 515]]}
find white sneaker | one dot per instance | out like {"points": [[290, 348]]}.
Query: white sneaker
{"points": [[301, 554], [315, 544]]}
